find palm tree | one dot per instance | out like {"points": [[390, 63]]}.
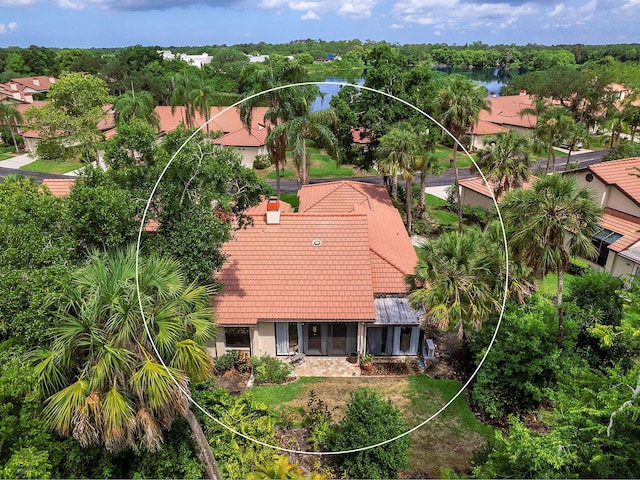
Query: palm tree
{"points": [[136, 105], [319, 126], [181, 95], [201, 96], [278, 100], [506, 161], [106, 382], [455, 281], [550, 223], [10, 117], [576, 133], [551, 127], [398, 154], [461, 102], [427, 164]]}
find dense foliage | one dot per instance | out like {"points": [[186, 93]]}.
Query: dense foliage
{"points": [[369, 420]]}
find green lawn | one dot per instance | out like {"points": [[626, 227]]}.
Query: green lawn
{"points": [[320, 165], [291, 198], [549, 284], [447, 441], [53, 166], [6, 151]]}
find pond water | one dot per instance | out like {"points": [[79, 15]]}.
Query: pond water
{"points": [[492, 79]]}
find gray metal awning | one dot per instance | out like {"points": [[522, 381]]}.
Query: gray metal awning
{"points": [[395, 311]]}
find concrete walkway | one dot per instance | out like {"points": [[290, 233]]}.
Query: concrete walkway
{"points": [[17, 161]]}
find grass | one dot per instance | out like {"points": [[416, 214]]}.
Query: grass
{"points": [[549, 284], [291, 198], [320, 165], [6, 151], [446, 441], [53, 166]]}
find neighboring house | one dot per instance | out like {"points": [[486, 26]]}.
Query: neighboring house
{"points": [[325, 281], [506, 114], [195, 60], [59, 187], [617, 189], [23, 89], [32, 138], [227, 121], [474, 192]]}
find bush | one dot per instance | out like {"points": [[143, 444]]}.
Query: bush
{"points": [[520, 370], [232, 359], [626, 149], [50, 150], [578, 267], [261, 162], [267, 369], [477, 215], [370, 420]]}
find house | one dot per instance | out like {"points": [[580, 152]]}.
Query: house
{"points": [[22, 90], [505, 114], [617, 189], [225, 120], [195, 60], [474, 192], [325, 281]]}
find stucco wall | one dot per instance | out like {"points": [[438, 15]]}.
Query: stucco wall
{"points": [[265, 340], [474, 199], [608, 196]]}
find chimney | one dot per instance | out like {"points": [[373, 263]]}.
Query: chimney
{"points": [[523, 92], [28, 97], [273, 211]]}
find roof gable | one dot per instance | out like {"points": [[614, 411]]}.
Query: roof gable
{"points": [[621, 174]]}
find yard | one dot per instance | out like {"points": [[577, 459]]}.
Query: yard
{"points": [[53, 166], [446, 442]]}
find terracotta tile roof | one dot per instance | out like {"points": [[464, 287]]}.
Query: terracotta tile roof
{"points": [[620, 173], [477, 185], [484, 127], [506, 111], [39, 83], [242, 138], [59, 187], [261, 209], [387, 234], [274, 272], [624, 224], [361, 135], [223, 119]]}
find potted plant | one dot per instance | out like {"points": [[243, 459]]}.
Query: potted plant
{"points": [[366, 362]]}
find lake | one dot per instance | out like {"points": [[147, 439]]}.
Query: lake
{"points": [[493, 80]]}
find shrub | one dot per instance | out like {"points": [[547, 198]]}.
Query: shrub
{"points": [[261, 162], [267, 369], [370, 420], [520, 370], [225, 362], [578, 267], [316, 418]]}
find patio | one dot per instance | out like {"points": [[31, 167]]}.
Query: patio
{"points": [[326, 367]]}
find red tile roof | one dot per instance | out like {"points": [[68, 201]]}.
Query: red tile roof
{"points": [[506, 111], [622, 174], [59, 187], [222, 119], [275, 271], [241, 138], [626, 225], [478, 185]]}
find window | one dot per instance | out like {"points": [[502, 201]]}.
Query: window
{"points": [[601, 241], [237, 337]]}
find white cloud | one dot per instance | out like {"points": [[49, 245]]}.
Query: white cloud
{"points": [[17, 3], [461, 14], [9, 27], [310, 15], [347, 8]]}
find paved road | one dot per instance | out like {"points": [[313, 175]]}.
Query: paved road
{"points": [[291, 186], [447, 178]]}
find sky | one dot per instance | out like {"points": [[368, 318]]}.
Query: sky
{"points": [[166, 23]]}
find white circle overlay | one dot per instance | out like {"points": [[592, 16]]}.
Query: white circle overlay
{"points": [[354, 450]]}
